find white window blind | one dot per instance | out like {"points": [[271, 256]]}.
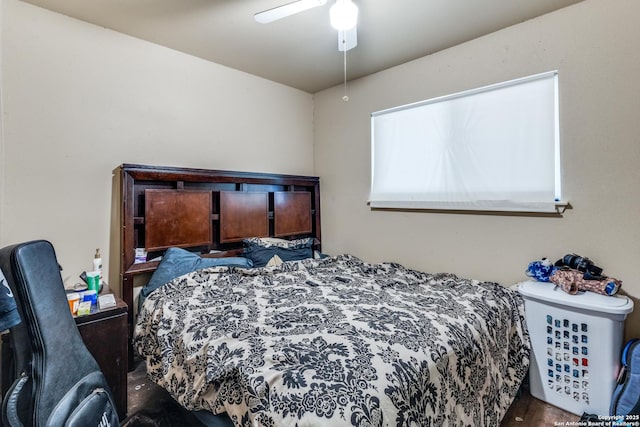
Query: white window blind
{"points": [[493, 148]]}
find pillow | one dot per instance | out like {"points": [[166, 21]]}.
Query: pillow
{"points": [[177, 262], [263, 251], [268, 242]]}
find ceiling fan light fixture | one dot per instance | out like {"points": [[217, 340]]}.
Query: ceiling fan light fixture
{"points": [[343, 15]]}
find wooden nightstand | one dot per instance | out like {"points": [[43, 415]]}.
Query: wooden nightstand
{"points": [[105, 334]]}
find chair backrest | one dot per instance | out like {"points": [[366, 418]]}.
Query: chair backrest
{"points": [[58, 381]]}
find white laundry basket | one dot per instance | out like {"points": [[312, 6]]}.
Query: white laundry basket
{"points": [[576, 342]]}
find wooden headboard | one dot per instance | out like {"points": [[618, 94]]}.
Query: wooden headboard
{"points": [[209, 211]]}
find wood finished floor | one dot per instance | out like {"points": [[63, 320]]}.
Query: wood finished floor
{"points": [[146, 398], [527, 411]]}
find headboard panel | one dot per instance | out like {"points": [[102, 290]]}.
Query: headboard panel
{"points": [[289, 209], [243, 214], [224, 208], [176, 218]]}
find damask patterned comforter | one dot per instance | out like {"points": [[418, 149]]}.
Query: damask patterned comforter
{"points": [[336, 342]]}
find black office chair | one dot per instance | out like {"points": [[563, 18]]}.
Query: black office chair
{"points": [[58, 382]]}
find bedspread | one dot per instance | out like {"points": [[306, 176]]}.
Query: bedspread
{"points": [[336, 342]]}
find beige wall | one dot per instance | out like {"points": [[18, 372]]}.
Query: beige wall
{"points": [[79, 100], [594, 45]]}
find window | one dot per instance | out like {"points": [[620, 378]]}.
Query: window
{"points": [[494, 148]]}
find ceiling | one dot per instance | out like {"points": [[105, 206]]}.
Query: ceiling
{"points": [[302, 50]]}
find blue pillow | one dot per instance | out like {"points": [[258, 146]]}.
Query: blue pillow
{"points": [[260, 256], [262, 250], [9, 316], [177, 262]]}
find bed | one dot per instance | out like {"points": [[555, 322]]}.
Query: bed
{"points": [[297, 338]]}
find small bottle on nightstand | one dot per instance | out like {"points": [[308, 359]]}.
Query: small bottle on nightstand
{"points": [[97, 265]]}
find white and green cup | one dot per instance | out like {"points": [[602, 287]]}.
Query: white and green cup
{"points": [[93, 281]]}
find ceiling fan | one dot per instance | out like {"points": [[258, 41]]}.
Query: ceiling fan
{"points": [[343, 15]]}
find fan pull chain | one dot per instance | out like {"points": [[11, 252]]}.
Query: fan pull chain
{"points": [[345, 97]]}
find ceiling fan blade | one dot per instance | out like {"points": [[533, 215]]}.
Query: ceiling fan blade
{"points": [[348, 39], [286, 10]]}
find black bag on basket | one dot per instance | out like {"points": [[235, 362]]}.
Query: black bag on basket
{"points": [[626, 396], [58, 382]]}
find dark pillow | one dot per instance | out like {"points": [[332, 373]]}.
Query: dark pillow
{"points": [[263, 251], [9, 316], [177, 262]]}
